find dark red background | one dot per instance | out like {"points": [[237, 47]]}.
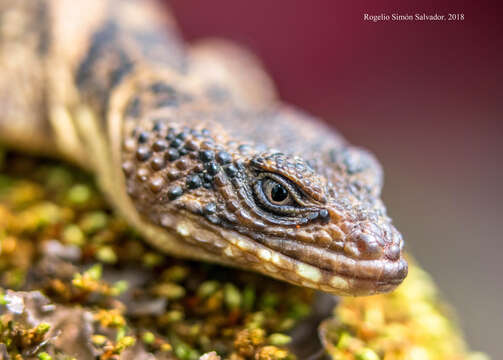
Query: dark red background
{"points": [[425, 97]]}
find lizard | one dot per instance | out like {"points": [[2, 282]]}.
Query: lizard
{"points": [[192, 146]]}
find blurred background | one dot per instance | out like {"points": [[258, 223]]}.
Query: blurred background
{"points": [[426, 97]]}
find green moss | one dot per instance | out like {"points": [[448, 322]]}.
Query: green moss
{"points": [[232, 296], [78, 194], [93, 221], [106, 254], [148, 338], [44, 356], [278, 339], [72, 234]]}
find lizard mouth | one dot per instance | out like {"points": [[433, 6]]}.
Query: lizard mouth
{"points": [[338, 273], [298, 263]]}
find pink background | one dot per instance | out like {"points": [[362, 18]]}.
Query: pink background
{"points": [[425, 97]]}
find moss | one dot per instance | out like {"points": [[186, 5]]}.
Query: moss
{"points": [[58, 236]]}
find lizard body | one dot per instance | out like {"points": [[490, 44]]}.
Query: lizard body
{"points": [[192, 146]]}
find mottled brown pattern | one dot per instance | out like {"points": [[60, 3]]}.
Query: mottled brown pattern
{"points": [[24, 39], [116, 48], [193, 148]]}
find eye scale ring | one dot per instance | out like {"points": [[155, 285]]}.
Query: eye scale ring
{"points": [[263, 195], [294, 193], [277, 196]]}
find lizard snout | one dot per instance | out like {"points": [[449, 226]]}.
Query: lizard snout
{"points": [[371, 242]]}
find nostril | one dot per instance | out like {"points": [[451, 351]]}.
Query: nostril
{"points": [[393, 252], [364, 246], [369, 247]]}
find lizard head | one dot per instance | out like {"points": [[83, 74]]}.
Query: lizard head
{"points": [[329, 225], [314, 219], [318, 223]]}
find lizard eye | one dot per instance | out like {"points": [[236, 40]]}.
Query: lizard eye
{"points": [[275, 192]]}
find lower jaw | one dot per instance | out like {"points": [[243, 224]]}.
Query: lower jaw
{"points": [[363, 287], [345, 276], [377, 271], [313, 267], [358, 287]]}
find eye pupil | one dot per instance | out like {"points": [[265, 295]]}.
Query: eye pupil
{"points": [[278, 193]]}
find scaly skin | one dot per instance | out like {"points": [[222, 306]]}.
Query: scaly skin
{"points": [[192, 147]]}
